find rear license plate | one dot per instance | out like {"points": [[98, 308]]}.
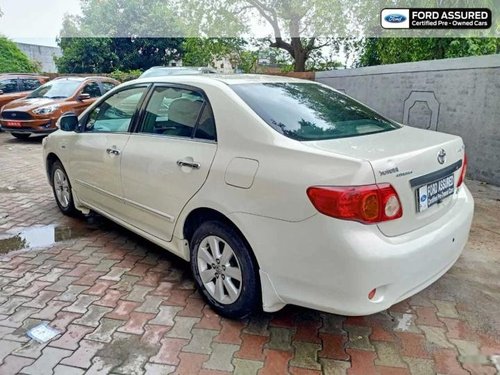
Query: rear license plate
{"points": [[14, 124], [430, 194]]}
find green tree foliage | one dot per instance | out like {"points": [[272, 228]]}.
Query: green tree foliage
{"points": [[104, 55], [104, 38], [296, 24], [376, 51], [203, 52], [13, 60]]}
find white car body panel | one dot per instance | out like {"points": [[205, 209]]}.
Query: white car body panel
{"points": [[258, 179]]}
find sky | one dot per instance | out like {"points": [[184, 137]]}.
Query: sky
{"points": [[35, 21]]}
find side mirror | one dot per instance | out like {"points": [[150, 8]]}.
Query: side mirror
{"points": [[84, 96], [68, 122]]}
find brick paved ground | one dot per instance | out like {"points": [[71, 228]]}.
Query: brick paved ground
{"points": [[124, 306]]}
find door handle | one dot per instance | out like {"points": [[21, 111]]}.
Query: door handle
{"points": [[190, 164], [113, 151]]}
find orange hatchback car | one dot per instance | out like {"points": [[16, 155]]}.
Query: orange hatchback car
{"points": [[38, 112], [14, 86]]}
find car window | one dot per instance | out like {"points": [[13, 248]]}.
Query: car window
{"points": [[310, 112], [175, 112], [107, 86], [30, 84], [92, 89], [56, 89], [8, 86], [116, 112], [206, 125]]}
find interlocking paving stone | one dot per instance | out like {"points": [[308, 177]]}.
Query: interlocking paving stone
{"points": [[221, 357], [166, 315], [388, 354], [334, 367], [47, 361], [41, 300], [7, 347], [93, 315], [169, 351], [115, 274], [53, 275], [151, 305], [246, 367], [82, 357], [281, 339], [446, 309], [436, 336], [13, 364], [306, 355], [138, 293], [12, 304], [105, 330], [419, 366], [81, 304], [62, 283], [72, 293], [16, 320], [182, 327], [201, 341], [71, 338]]}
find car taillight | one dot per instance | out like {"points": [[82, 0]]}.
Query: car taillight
{"points": [[367, 204], [462, 172]]}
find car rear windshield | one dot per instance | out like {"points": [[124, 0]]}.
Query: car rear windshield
{"points": [[56, 89], [311, 112]]}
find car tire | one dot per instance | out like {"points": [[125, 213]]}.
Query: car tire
{"points": [[219, 257], [21, 135], [61, 188]]}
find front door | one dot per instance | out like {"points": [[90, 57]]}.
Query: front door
{"points": [[168, 160], [98, 150]]}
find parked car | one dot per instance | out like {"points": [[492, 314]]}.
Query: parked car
{"points": [[38, 112], [277, 190], [14, 86], [161, 71]]}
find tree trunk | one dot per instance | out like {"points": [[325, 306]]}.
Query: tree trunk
{"points": [[300, 61]]}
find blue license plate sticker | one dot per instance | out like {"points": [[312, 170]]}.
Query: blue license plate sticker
{"points": [[434, 192]]}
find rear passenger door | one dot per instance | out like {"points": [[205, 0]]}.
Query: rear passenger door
{"points": [[169, 157]]}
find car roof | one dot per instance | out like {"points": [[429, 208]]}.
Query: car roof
{"points": [[229, 79], [30, 75], [81, 79]]}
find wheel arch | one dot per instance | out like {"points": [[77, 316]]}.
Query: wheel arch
{"points": [[51, 159], [203, 214]]}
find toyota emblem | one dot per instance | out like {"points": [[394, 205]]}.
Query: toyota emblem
{"points": [[441, 156]]}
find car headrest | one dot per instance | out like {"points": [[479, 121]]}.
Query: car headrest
{"points": [[184, 111]]}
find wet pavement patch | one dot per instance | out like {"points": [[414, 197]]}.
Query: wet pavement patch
{"points": [[39, 236]]}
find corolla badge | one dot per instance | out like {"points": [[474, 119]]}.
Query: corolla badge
{"points": [[441, 156], [395, 18]]}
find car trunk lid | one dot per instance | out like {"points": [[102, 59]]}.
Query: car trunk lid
{"points": [[407, 158]]}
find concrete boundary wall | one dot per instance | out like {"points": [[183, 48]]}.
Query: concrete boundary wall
{"points": [[457, 96]]}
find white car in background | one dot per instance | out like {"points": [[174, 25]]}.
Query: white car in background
{"points": [[277, 190]]}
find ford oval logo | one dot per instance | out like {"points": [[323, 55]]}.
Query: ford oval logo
{"points": [[395, 18], [423, 198]]}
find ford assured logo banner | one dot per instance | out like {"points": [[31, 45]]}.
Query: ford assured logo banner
{"points": [[435, 18]]}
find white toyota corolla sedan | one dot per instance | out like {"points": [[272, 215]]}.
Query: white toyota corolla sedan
{"points": [[277, 190]]}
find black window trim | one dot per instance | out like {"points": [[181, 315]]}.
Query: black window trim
{"points": [[83, 120], [139, 124], [21, 86]]}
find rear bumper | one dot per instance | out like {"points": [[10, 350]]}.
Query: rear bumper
{"points": [[332, 265], [38, 126]]}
